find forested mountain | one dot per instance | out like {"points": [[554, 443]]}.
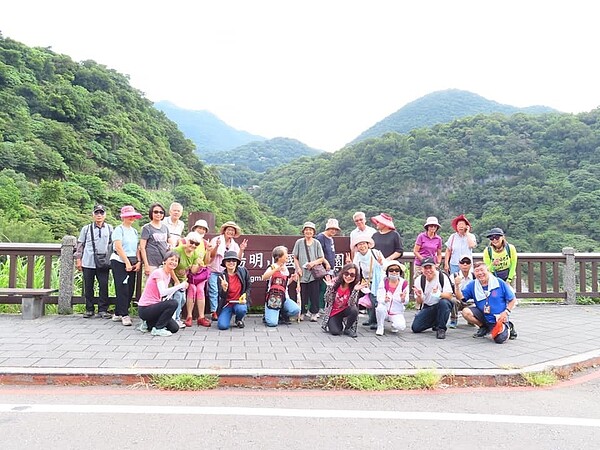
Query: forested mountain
{"points": [[207, 131], [73, 134], [537, 177], [441, 107], [241, 165]]}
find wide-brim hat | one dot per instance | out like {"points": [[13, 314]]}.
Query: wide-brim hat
{"points": [[231, 224], [129, 211], [228, 256], [494, 231], [332, 223], [384, 219], [458, 219], [392, 262], [432, 221], [309, 225], [200, 223], [362, 238]]}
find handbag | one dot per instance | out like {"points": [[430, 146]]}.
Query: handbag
{"points": [[101, 260], [318, 271], [198, 277]]}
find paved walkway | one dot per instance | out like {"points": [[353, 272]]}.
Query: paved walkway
{"points": [[548, 336]]}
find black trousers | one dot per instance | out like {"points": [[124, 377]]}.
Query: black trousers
{"points": [[160, 315], [335, 323], [310, 296], [88, 289], [124, 286]]}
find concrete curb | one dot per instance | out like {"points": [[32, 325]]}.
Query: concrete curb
{"points": [[288, 378]]}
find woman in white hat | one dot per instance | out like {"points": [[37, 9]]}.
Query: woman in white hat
{"points": [[428, 244], [392, 296], [307, 254]]}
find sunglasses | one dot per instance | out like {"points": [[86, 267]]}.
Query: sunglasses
{"points": [[100, 212], [158, 212], [394, 270], [194, 243], [349, 275], [465, 261], [495, 237]]}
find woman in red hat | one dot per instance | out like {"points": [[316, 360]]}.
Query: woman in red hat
{"points": [[462, 242]]}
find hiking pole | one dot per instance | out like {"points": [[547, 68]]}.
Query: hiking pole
{"points": [[299, 299]]}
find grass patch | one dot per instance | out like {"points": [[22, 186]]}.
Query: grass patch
{"points": [[539, 379], [582, 300], [185, 382], [421, 380]]}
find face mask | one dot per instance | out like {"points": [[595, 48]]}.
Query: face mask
{"points": [[393, 276], [201, 235]]}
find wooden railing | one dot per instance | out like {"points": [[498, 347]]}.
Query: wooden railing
{"points": [[559, 276]]}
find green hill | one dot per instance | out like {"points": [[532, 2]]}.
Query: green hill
{"points": [[242, 165], [207, 131], [441, 107], [537, 177], [76, 133]]}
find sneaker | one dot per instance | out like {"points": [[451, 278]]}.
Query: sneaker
{"points": [[513, 333], [126, 321], [453, 324], [373, 326], [394, 330], [204, 322], [116, 318], [214, 317], [143, 326], [440, 334], [88, 314], [314, 317], [350, 332], [481, 332], [240, 324], [366, 323], [180, 324], [160, 332], [104, 315], [379, 331]]}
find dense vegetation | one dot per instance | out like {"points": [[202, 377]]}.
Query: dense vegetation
{"points": [[242, 166], [207, 131], [73, 134], [442, 107], [537, 177]]}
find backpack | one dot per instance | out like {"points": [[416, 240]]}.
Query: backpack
{"points": [[441, 277], [506, 248], [276, 291]]}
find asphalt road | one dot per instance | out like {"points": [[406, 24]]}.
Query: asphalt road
{"points": [[566, 416]]}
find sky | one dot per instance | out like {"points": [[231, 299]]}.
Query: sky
{"points": [[323, 71]]}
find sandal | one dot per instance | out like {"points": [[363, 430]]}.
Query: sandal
{"points": [[204, 322]]}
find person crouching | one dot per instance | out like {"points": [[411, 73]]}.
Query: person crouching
{"points": [[234, 292], [392, 296]]}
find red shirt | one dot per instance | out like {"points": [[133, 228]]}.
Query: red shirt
{"points": [[340, 302], [235, 288]]}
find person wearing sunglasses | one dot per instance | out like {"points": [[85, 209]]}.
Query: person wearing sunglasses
{"points": [[392, 296], [500, 257], [154, 242], [341, 297], [193, 260]]}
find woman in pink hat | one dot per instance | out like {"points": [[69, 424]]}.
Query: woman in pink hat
{"points": [[125, 263], [428, 244], [462, 242]]}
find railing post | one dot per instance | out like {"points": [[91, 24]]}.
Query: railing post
{"points": [[65, 279], [569, 275]]}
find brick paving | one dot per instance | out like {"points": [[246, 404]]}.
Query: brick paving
{"points": [[547, 334]]}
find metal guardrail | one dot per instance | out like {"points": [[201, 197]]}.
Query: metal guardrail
{"points": [[560, 276]]}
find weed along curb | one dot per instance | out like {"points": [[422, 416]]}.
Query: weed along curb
{"points": [[298, 379]]}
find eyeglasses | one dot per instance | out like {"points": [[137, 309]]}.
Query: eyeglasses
{"points": [[495, 237], [158, 212], [394, 270], [194, 243], [465, 261], [349, 275], [359, 220]]}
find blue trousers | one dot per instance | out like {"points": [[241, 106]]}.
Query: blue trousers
{"points": [[432, 316], [290, 307], [240, 311], [213, 291]]}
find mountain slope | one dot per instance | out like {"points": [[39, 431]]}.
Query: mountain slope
{"points": [[441, 107], [207, 131]]}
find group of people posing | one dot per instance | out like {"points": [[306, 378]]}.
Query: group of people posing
{"points": [[182, 270]]}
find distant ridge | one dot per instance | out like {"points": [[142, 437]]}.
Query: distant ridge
{"points": [[442, 107], [207, 131]]}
